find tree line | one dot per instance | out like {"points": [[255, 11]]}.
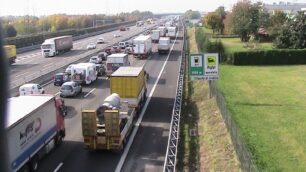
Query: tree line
{"points": [[25, 25], [250, 20]]}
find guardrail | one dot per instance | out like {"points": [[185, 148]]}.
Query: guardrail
{"points": [[46, 74], [170, 160]]}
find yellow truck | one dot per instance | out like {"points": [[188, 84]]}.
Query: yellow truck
{"points": [[10, 52], [108, 126]]}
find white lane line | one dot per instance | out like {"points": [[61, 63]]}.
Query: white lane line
{"points": [[89, 92], [47, 83], [21, 74], [133, 134], [58, 167], [47, 65], [57, 93]]}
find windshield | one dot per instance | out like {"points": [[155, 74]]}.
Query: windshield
{"points": [[46, 46], [66, 87]]}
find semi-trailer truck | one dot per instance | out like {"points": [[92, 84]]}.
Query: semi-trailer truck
{"points": [[34, 126], [163, 45], [162, 31], [171, 32], [54, 46], [142, 46], [155, 36], [108, 126], [10, 52]]}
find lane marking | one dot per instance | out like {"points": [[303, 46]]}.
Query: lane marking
{"points": [[49, 82], [21, 74], [89, 92], [133, 134], [47, 65], [58, 167]]}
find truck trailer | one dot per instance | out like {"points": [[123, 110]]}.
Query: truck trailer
{"points": [[162, 31], [114, 61], [155, 36], [171, 32], [108, 126], [163, 45], [34, 126], [54, 46], [10, 52], [142, 46]]}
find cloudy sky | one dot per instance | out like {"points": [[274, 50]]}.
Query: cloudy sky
{"points": [[47, 7]]}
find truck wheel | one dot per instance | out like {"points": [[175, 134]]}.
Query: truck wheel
{"points": [[34, 164], [59, 140]]}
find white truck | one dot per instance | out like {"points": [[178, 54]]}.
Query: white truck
{"points": [[162, 31], [114, 61], [84, 73], [155, 36], [142, 46], [33, 129], [163, 45], [54, 46], [171, 32]]}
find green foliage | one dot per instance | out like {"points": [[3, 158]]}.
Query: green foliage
{"points": [[10, 31], [192, 14], [214, 21]]}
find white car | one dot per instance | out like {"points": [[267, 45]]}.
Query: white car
{"points": [[91, 46], [116, 35], [100, 41], [29, 89], [95, 59]]}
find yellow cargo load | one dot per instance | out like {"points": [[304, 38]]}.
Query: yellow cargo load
{"points": [[10, 52], [128, 82]]}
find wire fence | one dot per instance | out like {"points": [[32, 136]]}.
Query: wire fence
{"points": [[244, 155]]}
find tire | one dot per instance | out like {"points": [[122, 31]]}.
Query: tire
{"points": [[58, 140], [34, 164]]}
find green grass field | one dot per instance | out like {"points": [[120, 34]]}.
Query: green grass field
{"points": [[269, 106]]}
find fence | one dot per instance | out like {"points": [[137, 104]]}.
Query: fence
{"points": [[244, 155]]}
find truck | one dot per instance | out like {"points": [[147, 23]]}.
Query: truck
{"points": [[162, 31], [84, 73], [163, 45], [155, 36], [114, 61], [171, 32], [10, 52], [142, 46], [54, 46], [33, 129], [108, 126]]}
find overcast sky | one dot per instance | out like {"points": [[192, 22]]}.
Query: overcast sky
{"points": [[47, 7]]}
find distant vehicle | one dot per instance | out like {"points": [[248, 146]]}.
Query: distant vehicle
{"points": [[102, 55], [100, 69], [116, 48], [117, 35], [54, 46], [122, 45], [114, 61], [10, 52], [100, 40], [60, 78], [108, 50], [155, 36], [34, 126], [162, 31], [163, 45], [122, 28], [84, 73], [68, 70], [129, 49], [142, 46], [139, 23], [171, 32], [95, 59], [30, 89], [70, 88], [91, 46]]}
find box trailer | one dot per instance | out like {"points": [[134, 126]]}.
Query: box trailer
{"points": [[114, 61], [162, 31], [54, 46], [34, 126], [155, 36], [171, 32], [164, 45], [142, 46]]}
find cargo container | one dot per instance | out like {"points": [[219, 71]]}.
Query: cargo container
{"points": [[34, 126], [164, 45], [54, 46], [84, 73], [162, 31], [171, 32], [155, 36], [114, 61], [10, 52], [130, 84], [142, 46]]}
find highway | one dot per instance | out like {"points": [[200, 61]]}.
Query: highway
{"points": [[32, 64], [148, 149]]}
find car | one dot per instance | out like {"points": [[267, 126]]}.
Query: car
{"points": [[68, 70], [116, 49], [70, 88], [122, 45], [31, 88], [129, 49], [95, 59], [103, 55], [60, 78], [100, 40], [122, 28], [117, 35], [108, 50], [91, 46], [100, 69]]}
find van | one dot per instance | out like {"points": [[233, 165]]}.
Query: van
{"points": [[29, 89], [84, 73]]}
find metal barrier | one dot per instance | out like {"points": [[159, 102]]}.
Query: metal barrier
{"points": [[170, 160]]}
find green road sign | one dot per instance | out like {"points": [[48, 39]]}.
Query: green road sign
{"points": [[196, 64]]}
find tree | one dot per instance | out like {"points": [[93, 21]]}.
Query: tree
{"points": [[214, 21], [277, 20], [227, 22], [10, 31], [192, 14]]}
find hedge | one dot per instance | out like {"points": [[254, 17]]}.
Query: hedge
{"points": [[34, 39]]}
